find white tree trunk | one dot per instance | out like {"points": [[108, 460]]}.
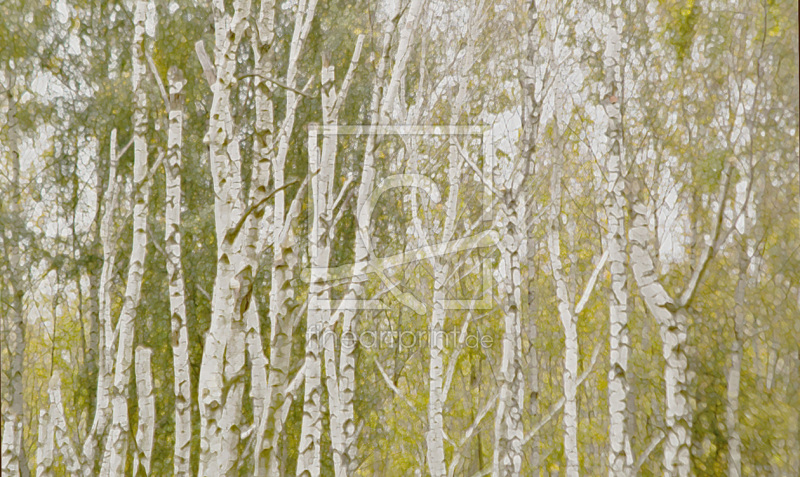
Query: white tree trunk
{"points": [[508, 440], [508, 454], [735, 369], [340, 422], [58, 427], [672, 325], [285, 253], [117, 444], [619, 460], [569, 323], [147, 412], [45, 451], [105, 327], [262, 42], [670, 313], [321, 164], [177, 287], [221, 383], [436, 397]]}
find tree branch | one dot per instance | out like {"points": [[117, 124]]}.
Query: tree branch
{"points": [[590, 284], [208, 66], [349, 76], [711, 248]]}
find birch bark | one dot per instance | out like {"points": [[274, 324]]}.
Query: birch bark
{"points": [[58, 428], [262, 42], [177, 287], [340, 422], [116, 449], [321, 163], [222, 369], [508, 453], [285, 252], [44, 449], [619, 461], [105, 327], [569, 323], [673, 334], [671, 315], [436, 396], [147, 413]]}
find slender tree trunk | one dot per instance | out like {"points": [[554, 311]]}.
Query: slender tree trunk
{"points": [[321, 164], [58, 427], [435, 437], [569, 323], [177, 287], [45, 452], [531, 114], [677, 444], [340, 422], [619, 461], [12, 440], [508, 453], [735, 369], [117, 445], [105, 327], [508, 425], [348, 314], [262, 42], [285, 253], [222, 371], [147, 413]]}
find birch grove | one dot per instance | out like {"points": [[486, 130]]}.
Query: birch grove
{"points": [[469, 237]]}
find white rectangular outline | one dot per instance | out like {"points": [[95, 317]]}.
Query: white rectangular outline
{"points": [[486, 301]]}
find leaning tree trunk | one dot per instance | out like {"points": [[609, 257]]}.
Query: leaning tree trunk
{"points": [[671, 315], [177, 287], [116, 449], [619, 461], [673, 329]]}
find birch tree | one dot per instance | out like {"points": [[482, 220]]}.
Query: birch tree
{"points": [[115, 453], [177, 287], [147, 412], [12, 454], [671, 315], [221, 384], [283, 239], [664, 139], [619, 458]]}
